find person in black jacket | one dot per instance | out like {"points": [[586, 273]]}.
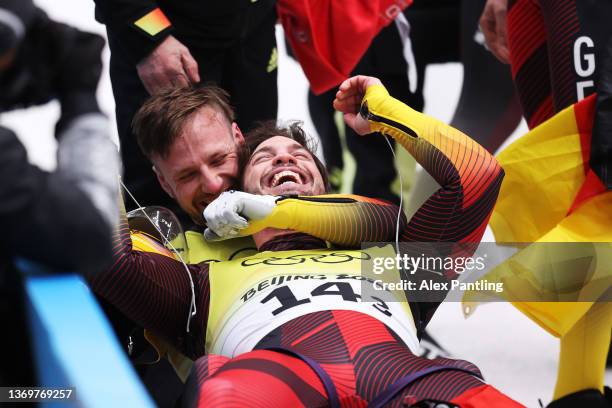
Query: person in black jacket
{"points": [[42, 60], [63, 220], [156, 44]]}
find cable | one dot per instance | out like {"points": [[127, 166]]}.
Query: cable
{"points": [[399, 211], [192, 306]]}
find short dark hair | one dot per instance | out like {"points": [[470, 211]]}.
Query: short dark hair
{"points": [[162, 117], [292, 130]]}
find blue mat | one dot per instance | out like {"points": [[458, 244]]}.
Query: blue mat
{"points": [[75, 346]]}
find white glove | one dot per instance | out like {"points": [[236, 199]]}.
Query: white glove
{"points": [[229, 212]]}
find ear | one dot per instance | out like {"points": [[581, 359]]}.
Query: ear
{"points": [[163, 182], [237, 133]]}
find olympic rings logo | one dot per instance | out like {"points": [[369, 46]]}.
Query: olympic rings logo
{"points": [[332, 258]]}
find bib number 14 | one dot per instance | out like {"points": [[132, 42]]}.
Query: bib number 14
{"points": [[287, 299]]}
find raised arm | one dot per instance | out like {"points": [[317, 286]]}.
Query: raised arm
{"points": [[469, 176]]}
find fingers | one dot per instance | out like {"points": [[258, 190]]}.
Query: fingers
{"points": [[169, 65], [503, 54], [359, 83], [360, 125], [233, 220], [162, 77], [221, 230], [347, 104], [487, 26], [178, 80], [211, 236], [223, 217], [493, 26], [191, 67], [351, 92], [348, 101], [352, 87], [349, 97], [348, 84], [349, 119], [150, 76], [148, 84]]}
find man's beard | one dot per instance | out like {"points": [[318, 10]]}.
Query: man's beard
{"points": [[293, 189]]}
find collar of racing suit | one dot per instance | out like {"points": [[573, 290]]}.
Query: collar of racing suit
{"points": [[296, 240]]}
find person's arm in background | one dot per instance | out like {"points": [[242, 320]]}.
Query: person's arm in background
{"points": [[75, 60], [50, 60], [145, 34], [493, 26], [64, 218], [49, 217], [596, 28]]}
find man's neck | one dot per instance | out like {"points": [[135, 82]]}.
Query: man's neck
{"points": [[291, 240], [268, 234]]}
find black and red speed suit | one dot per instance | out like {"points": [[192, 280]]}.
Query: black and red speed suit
{"points": [[329, 357]]}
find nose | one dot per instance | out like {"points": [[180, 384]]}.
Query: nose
{"points": [[284, 158], [212, 182]]}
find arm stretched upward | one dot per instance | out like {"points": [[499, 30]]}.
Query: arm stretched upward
{"points": [[469, 176]]}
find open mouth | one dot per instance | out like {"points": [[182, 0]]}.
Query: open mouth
{"points": [[285, 176]]}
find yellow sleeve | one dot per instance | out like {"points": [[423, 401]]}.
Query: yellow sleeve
{"points": [[468, 174], [345, 220]]}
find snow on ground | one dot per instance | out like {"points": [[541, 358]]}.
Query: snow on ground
{"points": [[513, 353]]}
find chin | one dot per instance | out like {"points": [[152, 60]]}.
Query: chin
{"points": [[291, 189], [197, 219]]}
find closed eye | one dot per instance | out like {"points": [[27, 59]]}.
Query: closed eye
{"points": [[258, 158], [186, 176], [301, 155], [217, 159]]}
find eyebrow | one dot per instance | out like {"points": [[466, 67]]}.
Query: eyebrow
{"points": [[263, 150], [269, 149], [219, 155]]}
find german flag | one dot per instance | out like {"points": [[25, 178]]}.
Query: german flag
{"points": [[562, 279], [548, 179], [550, 195], [153, 22]]}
